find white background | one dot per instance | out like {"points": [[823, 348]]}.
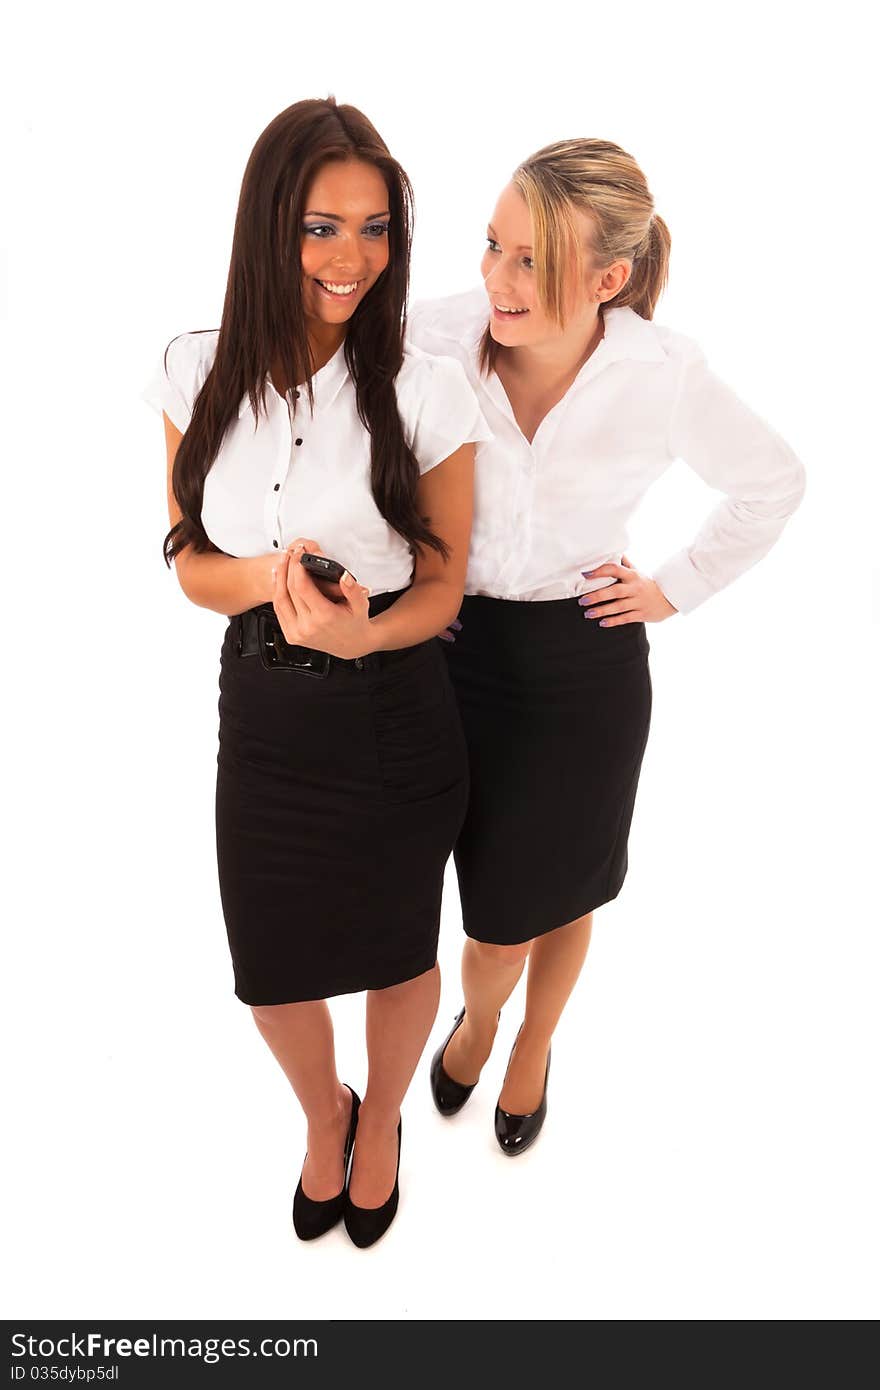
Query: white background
{"points": [[710, 1148]]}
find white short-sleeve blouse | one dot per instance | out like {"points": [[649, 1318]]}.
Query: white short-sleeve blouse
{"points": [[295, 473]]}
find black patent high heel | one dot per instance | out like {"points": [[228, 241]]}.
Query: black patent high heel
{"points": [[515, 1133], [449, 1094], [311, 1218], [366, 1225]]}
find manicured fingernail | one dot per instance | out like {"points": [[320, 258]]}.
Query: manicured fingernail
{"points": [[346, 578], [456, 624], [603, 622], [587, 573]]}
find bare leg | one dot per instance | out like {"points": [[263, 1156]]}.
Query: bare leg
{"points": [[554, 966], [301, 1038], [489, 975], [399, 1020]]}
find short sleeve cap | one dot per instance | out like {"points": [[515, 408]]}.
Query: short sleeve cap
{"points": [[438, 407], [177, 378]]}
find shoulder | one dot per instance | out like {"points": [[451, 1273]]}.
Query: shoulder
{"points": [[188, 357], [439, 409], [428, 375], [450, 320], [679, 347], [179, 375]]}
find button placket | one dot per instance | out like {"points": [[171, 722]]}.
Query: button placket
{"points": [[285, 459], [520, 503]]}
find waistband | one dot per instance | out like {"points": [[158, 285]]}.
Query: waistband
{"points": [[257, 632], [539, 624], [520, 605]]}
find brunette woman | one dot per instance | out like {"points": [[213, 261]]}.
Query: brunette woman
{"points": [[589, 401], [342, 773]]}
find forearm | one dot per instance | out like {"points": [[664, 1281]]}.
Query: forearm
{"points": [[225, 583], [423, 611]]}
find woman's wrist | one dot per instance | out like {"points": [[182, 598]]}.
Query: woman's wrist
{"points": [[262, 567], [225, 583], [419, 614]]}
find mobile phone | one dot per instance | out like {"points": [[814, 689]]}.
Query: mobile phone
{"points": [[326, 574], [319, 567]]}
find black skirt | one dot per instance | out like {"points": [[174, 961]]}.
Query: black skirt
{"points": [[556, 712], [338, 802]]}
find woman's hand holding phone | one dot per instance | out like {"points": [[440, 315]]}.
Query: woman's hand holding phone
{"points": [[308, 617]]}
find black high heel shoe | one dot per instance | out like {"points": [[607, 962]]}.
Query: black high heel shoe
{"points": [[449, 1095], [311, 1218], [366, 1225], [515, 1133]]}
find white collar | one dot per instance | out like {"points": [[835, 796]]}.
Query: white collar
{"points": [[326, 383]]}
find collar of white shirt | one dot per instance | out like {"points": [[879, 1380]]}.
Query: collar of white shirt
{"points": [[326, 384]]}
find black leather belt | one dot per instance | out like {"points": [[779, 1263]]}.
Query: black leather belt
{"points": [[257, 632]]}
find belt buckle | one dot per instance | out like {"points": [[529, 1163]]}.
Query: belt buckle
{"points": [[277, 654]]}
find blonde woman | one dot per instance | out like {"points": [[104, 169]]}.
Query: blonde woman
{"points": [[589, 401]]}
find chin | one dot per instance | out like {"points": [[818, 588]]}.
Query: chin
{"points": [[516, 335]]}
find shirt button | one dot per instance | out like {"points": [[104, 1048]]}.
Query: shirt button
{"points": [[359, 662], [297, 441], [275, 543], [276, 487]]}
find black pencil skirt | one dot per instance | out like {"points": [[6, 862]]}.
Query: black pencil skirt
{"points": [[556, 712], [338, 801]]}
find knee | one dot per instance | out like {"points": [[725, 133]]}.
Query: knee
{"points": [[492, 954], [270, 1015]]}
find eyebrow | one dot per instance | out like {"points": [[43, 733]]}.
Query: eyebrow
{"points": [[495, 236], [334, 217]]}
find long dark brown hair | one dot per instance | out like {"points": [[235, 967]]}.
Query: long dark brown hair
{"points": [[264, 320]]}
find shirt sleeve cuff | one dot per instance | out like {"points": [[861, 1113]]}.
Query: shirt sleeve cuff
{"points": [[682, 583]]}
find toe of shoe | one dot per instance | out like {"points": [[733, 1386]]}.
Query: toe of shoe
{"points": [[367, 1225]]}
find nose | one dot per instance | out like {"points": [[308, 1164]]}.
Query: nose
{"points": [[498, 279], [349, 259]]}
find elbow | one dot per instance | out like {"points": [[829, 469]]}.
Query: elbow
{"points": [[454, 596], [185, 578], [796, 484], [801, 484], [785, 495], [445, 595], [788, 504]]}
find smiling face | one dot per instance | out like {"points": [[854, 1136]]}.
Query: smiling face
{"points": [[344, 239], [517, 318]]}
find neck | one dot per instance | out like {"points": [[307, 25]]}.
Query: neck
{"points": [[557, 358], [324, 340]]}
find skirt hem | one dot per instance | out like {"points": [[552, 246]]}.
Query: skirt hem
{"points": [[351, 985], [545, 931]]}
